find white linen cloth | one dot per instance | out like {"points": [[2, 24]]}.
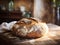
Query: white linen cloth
{"points": [[7, 26]]}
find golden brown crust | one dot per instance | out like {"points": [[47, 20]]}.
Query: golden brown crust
{"points": [[30, 28]]}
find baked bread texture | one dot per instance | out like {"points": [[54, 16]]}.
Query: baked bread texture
{"points": [[30, 28]]}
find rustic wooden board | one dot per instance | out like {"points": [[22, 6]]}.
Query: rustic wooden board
{"points": [[52, 38]]}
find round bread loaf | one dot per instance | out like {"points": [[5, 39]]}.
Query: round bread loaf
{"points": [[30, 28]]}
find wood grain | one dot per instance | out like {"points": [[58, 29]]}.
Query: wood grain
{"points": [[52, 38]]}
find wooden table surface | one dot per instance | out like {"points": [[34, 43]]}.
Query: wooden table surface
{"points": [[52, 38]]}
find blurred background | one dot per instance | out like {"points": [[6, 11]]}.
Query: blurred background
{"points": [[46, 10]]}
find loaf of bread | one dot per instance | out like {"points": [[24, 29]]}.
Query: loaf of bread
{"points": [[30, 28]]}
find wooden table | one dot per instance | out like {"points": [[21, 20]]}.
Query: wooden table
{"points": [[52, 38]]}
